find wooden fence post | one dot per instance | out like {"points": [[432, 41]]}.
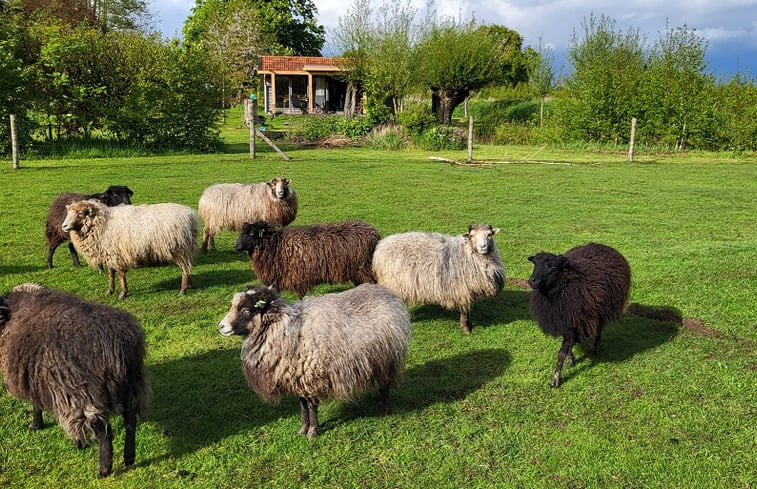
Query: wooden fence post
{"points": [[633, 139], [470, 139], [14, 141], [253, 107]]}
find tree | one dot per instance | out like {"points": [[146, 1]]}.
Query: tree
{"points": [[541, 75], [603, 92], [287, 27], [353, 37], [14, 76], [453, 60], [677, 88]]}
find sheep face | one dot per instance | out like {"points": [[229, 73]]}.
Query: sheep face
{"points": [[247, 311], [77, 214], [117, 195], [251, 236], [549, 271], [5, 314], [279, 187], [481, 237]]}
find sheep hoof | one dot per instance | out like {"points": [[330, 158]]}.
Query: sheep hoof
{"points": [[466, 328], [303, 430], [103, 472], [123, 295], [312, 433], [555, 381], [80, 444]]}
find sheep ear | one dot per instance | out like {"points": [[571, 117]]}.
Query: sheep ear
{"points": [[288, 181], [531, 258], [495, 230]]}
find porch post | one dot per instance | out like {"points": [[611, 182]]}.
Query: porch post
{"points": [[310, 93]]}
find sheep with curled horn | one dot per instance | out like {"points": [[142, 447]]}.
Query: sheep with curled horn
{"points": [[227, 206], [125, 237], [79, 360], [336, 345], [54, 234], [576, 294], [433, 268]]}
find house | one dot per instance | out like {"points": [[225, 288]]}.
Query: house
{"points": [[302, 84]]}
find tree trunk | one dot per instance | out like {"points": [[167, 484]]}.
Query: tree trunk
{"points": [[448, 100], [349, 100]]}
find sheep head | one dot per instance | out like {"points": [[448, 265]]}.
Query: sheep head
{"points": [[79, 215], [252, 235], [249, 310], [5, 313], [481, 237], [550, 271], [279, 187], [117, 194]]}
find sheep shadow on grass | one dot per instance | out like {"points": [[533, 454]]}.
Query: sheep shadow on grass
{"points": [[200, 400], [444, 380], [504, 308], [205, 279], [622, 340]]}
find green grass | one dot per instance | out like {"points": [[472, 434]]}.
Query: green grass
{"points": [[659, 407]]}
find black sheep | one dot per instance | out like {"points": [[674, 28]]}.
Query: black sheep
{"points": [[297, 258], [574, 295], [113, 196], [79, 360]]}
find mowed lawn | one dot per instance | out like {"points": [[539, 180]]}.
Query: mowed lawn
{"points": [[661, 405]]}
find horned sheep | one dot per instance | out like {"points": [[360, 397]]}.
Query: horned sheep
{"points": [[433, 268], [337, 345], [297, 258], [125, 237], [79, 360], [227, 206], [113, 195], [576, 294]]}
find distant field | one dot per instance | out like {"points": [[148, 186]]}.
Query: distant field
{"points": [[661, 406]]}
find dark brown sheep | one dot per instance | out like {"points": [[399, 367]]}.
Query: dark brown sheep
{"points": [[114, 195], [574, 295], [79, 360], [297, 258]]}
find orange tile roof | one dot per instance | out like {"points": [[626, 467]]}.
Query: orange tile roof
{"points": [[294, 63]]}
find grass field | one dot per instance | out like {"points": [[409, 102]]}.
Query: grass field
{"points": [[659, 407]]}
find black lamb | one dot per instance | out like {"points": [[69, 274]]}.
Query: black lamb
{"points": [[113, 195], [574, 295], [79, 360]]}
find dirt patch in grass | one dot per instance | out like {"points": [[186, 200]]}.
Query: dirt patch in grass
{"points": [[519, 282]]}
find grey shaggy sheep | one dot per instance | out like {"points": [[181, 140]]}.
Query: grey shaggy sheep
{"points": [[113, 195], [125, 237], [79, 360], [230, 205], [432, 268], [574, 295], [297, 258], [332, 346]]}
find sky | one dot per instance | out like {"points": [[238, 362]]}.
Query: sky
{"points": [[729, 26]]}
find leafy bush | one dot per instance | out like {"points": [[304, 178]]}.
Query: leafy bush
{"points": [[441, 137], [319, 127], [416, 119], [354, 127]]}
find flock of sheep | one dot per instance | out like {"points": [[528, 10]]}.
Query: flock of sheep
{"points": [[337, 345]]}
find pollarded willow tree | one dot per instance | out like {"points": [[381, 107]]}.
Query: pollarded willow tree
{"points": [[454, 59]]}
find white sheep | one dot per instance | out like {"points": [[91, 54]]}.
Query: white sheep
{"points": [[125, 237], [227, 206], [433, 268], [335, 345]]}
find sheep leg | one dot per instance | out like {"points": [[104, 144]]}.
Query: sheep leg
{"points": [[37, 422], [466, 326], [186, 282], [384, 399], [124, 287], [305, 416], [130, 424], [74, 255], [111, 281], [565, 349], [50, 251], [597, 340], [312, 405], [104, 434]]}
